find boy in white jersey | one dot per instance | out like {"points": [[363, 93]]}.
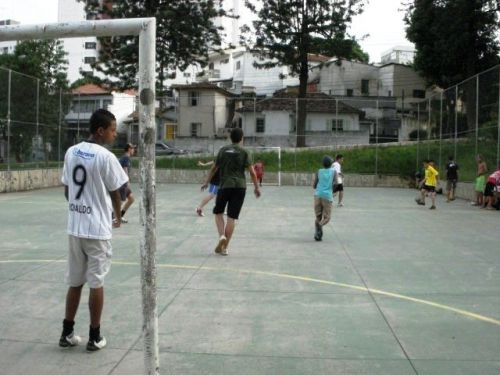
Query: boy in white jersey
{"points": [[339, 178], [92, 177]]}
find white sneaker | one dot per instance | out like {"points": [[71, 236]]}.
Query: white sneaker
{"points": [[93, 346], [70, 340], [341, 204], [221, 246]]}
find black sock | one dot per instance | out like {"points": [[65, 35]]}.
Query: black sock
{"points": [[95, 334], [123, 213], [67, 327]]}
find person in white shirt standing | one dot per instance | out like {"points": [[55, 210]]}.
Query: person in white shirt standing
{"points": [[339, 182], [92, 177]]}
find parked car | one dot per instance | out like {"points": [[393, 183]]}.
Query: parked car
{"points": [[161, 148]]}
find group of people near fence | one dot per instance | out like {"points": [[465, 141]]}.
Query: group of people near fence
{"points": [[486, 186]]}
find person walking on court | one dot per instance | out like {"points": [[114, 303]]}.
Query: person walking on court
{"points": [[492, 184], [212, 188], [92, 177], [323, 196], [125, 191], [429, 186], [480, 182], [339, 178], [232, 160], [451, 179]]}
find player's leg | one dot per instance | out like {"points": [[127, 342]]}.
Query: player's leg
{"points": [[318, 213], [130, 200], [75, 278], [235, 203], [99, 254], [220, 205]]}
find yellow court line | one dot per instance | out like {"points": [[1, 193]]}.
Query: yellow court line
{"points": [[465, 313]]}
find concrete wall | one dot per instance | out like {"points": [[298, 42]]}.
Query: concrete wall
{"points": [[44, 178]]}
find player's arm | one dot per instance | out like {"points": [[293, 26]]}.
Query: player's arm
{"points": [[211, 173], [315, 180], [208, 163], [117, 207], [256, 189], [66, 192]]}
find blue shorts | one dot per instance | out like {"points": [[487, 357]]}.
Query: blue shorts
{"points": [[213, 189]]}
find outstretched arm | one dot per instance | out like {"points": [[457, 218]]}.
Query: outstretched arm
{"points": [[211, 173], [256, 189]]}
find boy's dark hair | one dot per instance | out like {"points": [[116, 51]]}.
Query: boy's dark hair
{"points": [[128, 146], [101, 118], [427, 161], [327, 161], [450, 158], [339, 156], [236, 135]]}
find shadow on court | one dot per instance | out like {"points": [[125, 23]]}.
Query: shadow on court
{"points": [[393, 288]]}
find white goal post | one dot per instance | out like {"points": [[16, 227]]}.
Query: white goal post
{"points": [[145, 28], [272, 158]]}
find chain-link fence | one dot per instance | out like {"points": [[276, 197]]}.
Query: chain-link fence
{"points": [[384, 135]]}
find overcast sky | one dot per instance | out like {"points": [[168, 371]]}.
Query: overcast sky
{"points": [[381, 20]]}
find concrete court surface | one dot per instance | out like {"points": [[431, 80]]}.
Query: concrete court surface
{"points": [[393, 288]]}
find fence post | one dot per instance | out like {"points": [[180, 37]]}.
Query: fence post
{"points": [[9, 89], [376, 142], [296, 134], [440, 127], [418, 134], [59, 128], [477, 113], [429, 127], [37, 121], [498, 128], [456, 123]]}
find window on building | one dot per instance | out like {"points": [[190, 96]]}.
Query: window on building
{"points": [[308, 125], [5, 50], [293, 124], [211, 66], [225, 61], [238, 65], [89, 59], [106, 103], [389, 93], [187, 75], [260, 125], [195, 129], [419, 94], [336, 125], [365, 85], [194, 98], [349, 92], [90, 45], [85, 106]]}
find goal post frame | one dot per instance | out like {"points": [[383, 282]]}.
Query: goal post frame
{"points": [[145, 28], [263, 148]]}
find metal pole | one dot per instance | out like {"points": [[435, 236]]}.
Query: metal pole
{"points": [[456, 123], [429, 130], [336, 119], [9, 89], [59, 128], [440, 127], [37, 144], [418, 133], [376, 142], [78, 119], [296, 135], [477, 113], [498, 129], [147, 130]]}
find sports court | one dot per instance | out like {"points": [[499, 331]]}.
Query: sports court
{"points": [[393, 288]]}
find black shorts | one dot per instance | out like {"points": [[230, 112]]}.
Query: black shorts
{"points": [[233, 198], [125, 192], [489, 189], [430, 189], [338, 187]]}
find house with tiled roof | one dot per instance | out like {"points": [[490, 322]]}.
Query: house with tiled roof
{"points": [[326, 118], [89, 97], [204, 110]]}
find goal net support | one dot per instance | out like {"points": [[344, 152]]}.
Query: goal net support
{"points": [[270, 157], [145, 28]]}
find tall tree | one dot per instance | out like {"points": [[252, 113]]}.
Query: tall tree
{"points": [[455, 39], [39, 72], [185, 35], [286, 31]]}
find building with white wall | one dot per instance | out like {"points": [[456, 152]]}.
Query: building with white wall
{"points": [[81, 51], [399, 55], [8, 47]]}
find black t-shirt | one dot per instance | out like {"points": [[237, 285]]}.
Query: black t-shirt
{"points": [[452, 171]]}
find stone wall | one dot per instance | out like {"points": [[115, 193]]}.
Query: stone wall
{"points": [[44, 178]]}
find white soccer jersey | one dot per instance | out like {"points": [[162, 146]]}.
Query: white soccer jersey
{"points": [[338, 170], [91, 172]]}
